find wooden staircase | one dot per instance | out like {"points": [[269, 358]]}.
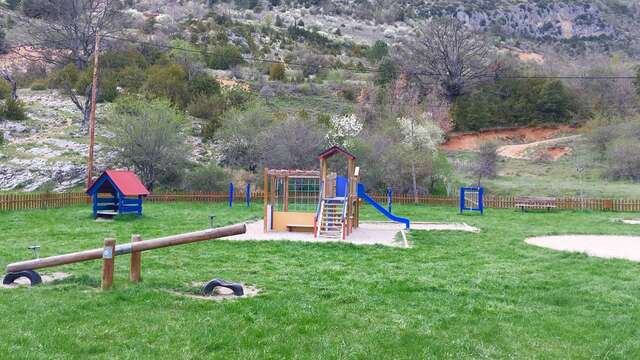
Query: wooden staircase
{"points": [[330, 223]]}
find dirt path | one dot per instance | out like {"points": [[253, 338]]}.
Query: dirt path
{"points": [[553, 152], [472, 141]]}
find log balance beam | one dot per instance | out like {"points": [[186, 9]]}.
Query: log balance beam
{"points": [[110, 251]]}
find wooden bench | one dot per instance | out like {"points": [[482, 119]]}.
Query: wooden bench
{"points": [[536, 202], [299, 228]]}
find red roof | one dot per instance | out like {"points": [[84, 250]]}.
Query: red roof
{"points": [[126, 181]]}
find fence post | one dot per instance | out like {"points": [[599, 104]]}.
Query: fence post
{"points": [[108, 257], [136, 262], [247, 194]]}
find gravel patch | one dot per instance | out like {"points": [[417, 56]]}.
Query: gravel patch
{"points": [[369, 233]]}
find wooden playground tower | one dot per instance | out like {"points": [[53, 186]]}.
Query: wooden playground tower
{"points": [[321, 202]]}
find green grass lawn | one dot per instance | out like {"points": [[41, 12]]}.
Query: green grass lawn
{"points": [[453, 295]]}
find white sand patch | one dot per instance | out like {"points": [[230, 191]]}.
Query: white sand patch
{"points": [[604, 246], [46, 279], [369, 233], [218, 294], [631, 222]]}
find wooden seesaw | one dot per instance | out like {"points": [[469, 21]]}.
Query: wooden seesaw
{"points": [[110, 251]]}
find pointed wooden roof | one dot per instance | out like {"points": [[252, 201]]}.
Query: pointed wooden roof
{"points": [[334, 150]]}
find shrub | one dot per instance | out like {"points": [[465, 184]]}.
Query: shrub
{"points": [[378, 51], [5, 89], [149, 25], [624, 159], [387, 72], [313, 64], [236, 97], [293, 143], [246, 4], [279, 23], [3, 43], [148, 137], [207, 178], [168, 81], [119, 59], [108, 90], [238, 137], [38, 85], [224, 57], [131, 78], [204, 107], [349, 94], [486, 164], [68, 75], [13, 109], [203, 84], [277, 72]]}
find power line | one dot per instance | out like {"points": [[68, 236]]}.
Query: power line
{"points": [[357, 69]]}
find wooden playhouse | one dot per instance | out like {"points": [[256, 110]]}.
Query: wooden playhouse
{"points": [[318, 201], [117, 192]]}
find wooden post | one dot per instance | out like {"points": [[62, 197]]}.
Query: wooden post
{"points": [[265, 196], [136, 261], [285, 204], [108, 258]]}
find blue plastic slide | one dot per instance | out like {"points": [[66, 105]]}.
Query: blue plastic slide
{"points": [[390, 216]]}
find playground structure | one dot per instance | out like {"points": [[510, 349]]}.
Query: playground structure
{"points": [[117, 192], [110, 251], [319, 201], [472, 199]]}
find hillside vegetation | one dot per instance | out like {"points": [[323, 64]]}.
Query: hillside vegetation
{"points": [[248, 84]]}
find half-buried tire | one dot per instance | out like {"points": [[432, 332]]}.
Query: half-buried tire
{"points": [[34, 277]]}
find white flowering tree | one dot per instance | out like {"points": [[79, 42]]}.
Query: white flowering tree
{"points": [[343, 129], [421, 136]]}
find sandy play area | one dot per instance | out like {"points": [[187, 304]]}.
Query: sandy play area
{"points": [[369, 233], [604, 246]]}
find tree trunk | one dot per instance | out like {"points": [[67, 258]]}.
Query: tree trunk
{"points": [[415, 181]]}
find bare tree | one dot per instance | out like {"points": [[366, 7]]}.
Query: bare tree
{"points": [[447, 51], [66, 34], [487, 163]]}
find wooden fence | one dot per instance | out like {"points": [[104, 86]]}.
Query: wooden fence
{"points": [[10, 202], [41, 200]]}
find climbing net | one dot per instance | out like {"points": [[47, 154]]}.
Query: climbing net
{"points": [[304, 193], [296, 193]]}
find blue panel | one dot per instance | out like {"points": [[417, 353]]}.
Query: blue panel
{"points": [[342, 184], [130, 201]]}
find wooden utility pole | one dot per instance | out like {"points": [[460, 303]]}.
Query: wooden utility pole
{"points": [[92, 114]]}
